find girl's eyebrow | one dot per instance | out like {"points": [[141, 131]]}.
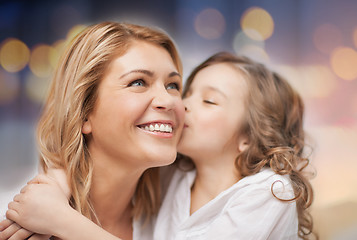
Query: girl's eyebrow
{"points": [[216, 90], [144, 71]]}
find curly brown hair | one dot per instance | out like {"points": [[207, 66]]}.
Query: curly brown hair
{"points": [[274, 126]]}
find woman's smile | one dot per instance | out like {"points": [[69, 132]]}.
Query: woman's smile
{"points": [[158, 128]]}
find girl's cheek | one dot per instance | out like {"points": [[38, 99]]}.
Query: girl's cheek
{"points": [[180, 110]]}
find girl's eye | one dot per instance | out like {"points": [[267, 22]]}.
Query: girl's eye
{"points": [[173, 85], [137, 83], [209, 102]]}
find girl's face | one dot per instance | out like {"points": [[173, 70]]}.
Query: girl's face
{"points": [[215, 113], [138, 116]]}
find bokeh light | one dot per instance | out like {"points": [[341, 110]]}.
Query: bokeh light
{"points": [[74, 31], [210, 24], [327, 152], [311, 81], [242, 41], [255, 52], [327, 37], [344, 63], [40, 61], [355, 37], [36, 88], [260, 21], [14, 55], [9, 86], [59, 47]]}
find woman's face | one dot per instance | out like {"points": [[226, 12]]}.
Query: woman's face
{"points": [[215, 112], [138, 116]]}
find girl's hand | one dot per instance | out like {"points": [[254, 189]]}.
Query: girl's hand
{"points": [[61, 179], [10, 230], [39, 205]]}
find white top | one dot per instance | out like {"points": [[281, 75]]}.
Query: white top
{"points": [[247, 210]]}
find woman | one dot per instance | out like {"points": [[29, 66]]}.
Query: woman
{"points": [[114, 112]]}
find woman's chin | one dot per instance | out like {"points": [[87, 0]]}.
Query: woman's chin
{"points": [[163, 159]]}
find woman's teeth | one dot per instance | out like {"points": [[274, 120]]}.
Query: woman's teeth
{"points": [[158, 128]]}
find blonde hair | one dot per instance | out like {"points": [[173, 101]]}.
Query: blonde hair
{"points": [[274, 126], [72, 95]]}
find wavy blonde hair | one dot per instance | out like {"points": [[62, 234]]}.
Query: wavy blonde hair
{"points": [[274, 126], [72, 95]]}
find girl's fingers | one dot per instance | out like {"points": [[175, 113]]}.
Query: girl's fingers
{"points": [[12, 215], [39, 179], [13, 206], [24, 189], [39, 237], [21, 234], [5, 224], [17, 198], [9, 231]]}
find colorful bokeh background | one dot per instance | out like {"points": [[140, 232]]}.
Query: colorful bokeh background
{"points": [[313, 43]]}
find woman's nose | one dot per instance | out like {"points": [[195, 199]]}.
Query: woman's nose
{"points": [[163, 100]]}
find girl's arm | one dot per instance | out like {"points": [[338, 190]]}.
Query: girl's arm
{"points": [[42, 207]]}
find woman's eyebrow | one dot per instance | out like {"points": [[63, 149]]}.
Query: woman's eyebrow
{"points": [[174, 74], [144, 71]]}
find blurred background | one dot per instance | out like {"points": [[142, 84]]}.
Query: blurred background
{"points": [[312, 43]]}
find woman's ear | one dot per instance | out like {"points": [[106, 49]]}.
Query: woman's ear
{"points": [[87, 127], [243, 143]]}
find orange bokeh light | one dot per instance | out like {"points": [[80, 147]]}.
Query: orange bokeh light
{"points": [[257, 23], [14, 55], [40, 61], [343, 61]]}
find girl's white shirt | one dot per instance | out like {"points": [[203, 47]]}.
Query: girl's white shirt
{"points": [[246, 210]]}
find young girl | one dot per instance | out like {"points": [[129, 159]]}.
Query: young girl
{"points": [[244, 141], [244, 135]]}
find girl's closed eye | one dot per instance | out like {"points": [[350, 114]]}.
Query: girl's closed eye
{"points": [[137, 83], [209, 101]]}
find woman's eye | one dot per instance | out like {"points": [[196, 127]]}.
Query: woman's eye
{"points": [[137, 83], [175, 86], [209, 102]]}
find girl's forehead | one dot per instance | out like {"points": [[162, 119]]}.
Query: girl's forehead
{"points": [[223, 76]]}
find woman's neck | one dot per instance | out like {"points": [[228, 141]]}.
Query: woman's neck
{"points": [[113, 187], [212, 178]]}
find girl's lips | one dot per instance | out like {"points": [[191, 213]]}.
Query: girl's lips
{"points": [[185, 125]]}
